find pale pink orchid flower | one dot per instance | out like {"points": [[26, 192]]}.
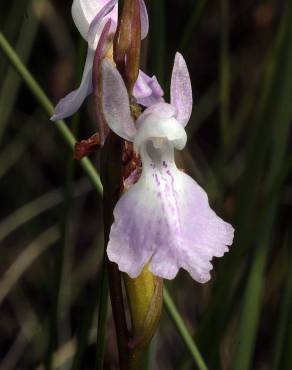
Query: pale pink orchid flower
{"points": [[164, 220], [90, 18]]}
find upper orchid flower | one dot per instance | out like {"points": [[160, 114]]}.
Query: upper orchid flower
{"points": [[164, 219], [90, 17]]}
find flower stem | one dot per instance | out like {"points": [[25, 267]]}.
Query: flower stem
{"points": [[111, 166]]}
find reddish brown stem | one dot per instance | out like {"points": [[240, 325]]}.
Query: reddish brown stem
{"points": [[111, 174], [127, 60]]}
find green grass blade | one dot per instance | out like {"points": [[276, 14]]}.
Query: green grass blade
{"points": [[183, 331], [36, 207], [27, 256], [45, 103], [246, 334], [60, 328]]}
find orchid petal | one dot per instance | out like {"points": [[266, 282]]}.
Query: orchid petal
{"points": [[147, 90], [141, 88], [165, 220], [115, 102], [100, 51], [144, 20], [97, 24], [181, 90], [73, 101], [85, 11]]}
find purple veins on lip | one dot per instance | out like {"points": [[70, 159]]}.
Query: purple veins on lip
{"points": [[156, 179]]}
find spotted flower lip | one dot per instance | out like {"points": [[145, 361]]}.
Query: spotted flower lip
{"points": [[90, 18], [164, 219]]}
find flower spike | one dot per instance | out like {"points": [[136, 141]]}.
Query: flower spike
{"points": [[164, 219]]}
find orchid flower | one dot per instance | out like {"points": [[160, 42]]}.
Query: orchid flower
{"points": [[90, 18], [164, 219]]}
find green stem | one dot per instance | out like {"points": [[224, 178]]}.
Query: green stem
{"points": [[111, 174], [183, 331]]}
